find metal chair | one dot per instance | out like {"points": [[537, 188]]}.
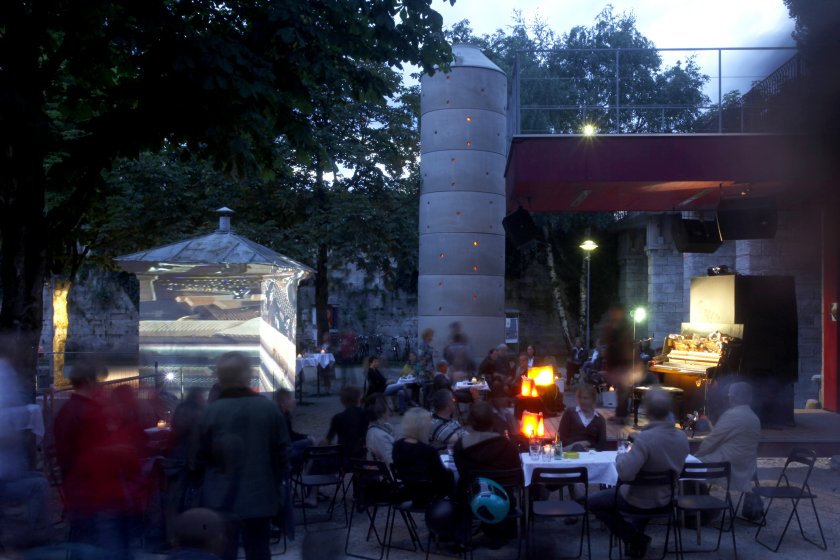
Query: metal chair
{"points": [[560, 508], [374, 488], [513, 481], [664, 479], [794, 493], [698, 503], [331, 456]]}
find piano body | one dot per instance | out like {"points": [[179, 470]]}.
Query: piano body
{"points": [[741, 328]]}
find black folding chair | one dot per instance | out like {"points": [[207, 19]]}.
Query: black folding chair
{"points": [[513, 481], [374, 488], [567, 477], [412, 483], [698, 504], [784, 490], [328, 459], [646, 479]]}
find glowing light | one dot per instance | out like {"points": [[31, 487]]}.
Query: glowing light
{"points": [[532, 425], [527, 384], [475, 243], [469, 119], [475, 268], [588, 245], [589, 129], [61, 321], [543, 376], [639, 314], [169, 376]]}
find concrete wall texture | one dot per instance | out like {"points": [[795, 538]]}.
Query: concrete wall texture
{"points": [[462, 200]]}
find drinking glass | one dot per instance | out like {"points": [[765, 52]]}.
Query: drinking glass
{"points": [[534, 451], [547, 453]]}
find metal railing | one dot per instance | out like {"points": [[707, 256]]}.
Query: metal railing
{"points": [[631, 91]]}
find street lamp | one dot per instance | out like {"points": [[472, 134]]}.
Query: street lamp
{"points": [[639, 314], [588, 246]]}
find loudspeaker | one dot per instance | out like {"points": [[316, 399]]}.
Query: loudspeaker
{"points": [[695, 236], [747, 218], [520, 227]]}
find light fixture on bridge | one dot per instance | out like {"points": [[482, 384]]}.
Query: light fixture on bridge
{"points": [[589, 129]]}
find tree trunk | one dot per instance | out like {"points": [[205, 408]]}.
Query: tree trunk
{"points": [[322, 283], [557, 291], [23, 273], [61, 321]]}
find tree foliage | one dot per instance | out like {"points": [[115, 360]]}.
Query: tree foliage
{"points": [[82, 83], [607, 74]]}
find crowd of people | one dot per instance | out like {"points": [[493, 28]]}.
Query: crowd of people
{"points": [[228, 456]]}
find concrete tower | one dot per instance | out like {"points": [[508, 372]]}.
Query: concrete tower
{"points": [[462, 201]]}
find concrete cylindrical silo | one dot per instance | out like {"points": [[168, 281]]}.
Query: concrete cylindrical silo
{"points": [[462, 201]]}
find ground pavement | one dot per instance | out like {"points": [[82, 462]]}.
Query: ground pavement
{"points": [[325, 541]]}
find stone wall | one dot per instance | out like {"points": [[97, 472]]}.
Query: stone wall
{"points": [[665, 279], [103, 309]]}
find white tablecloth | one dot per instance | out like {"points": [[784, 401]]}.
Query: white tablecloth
{"points": [[467, 385], [312, 360], [406, 380], [600, 465]]}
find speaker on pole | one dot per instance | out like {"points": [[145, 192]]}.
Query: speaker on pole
{"points": [[747, 218], [520, 227], [695, 236]]}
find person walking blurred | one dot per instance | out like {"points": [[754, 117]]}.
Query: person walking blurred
{"points": [[243, 451]]}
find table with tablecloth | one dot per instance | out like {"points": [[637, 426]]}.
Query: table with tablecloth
{"points": [[600, 466], [324, 360]]}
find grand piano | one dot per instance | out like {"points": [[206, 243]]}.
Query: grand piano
{"points": [[741, 328]]}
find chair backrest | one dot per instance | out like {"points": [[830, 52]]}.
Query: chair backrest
{"points": [[373, 483], [651, 479], [707, 471], [557, 476], [323, 452], [507, 478], [800, 456]]}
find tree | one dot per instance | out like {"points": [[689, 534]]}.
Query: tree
{"points": [[82, 83], [566, 80]]}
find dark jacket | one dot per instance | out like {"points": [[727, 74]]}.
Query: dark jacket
{"points": [[571, 430], [243, 450], [420, 462], [376, 382], [350, 427], [483, 451]]}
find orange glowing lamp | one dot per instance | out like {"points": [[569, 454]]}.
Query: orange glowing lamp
{"points": [[527, 385], [534, 392], [543, 376], [532, 425]]}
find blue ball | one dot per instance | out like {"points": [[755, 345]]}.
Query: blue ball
{"points": [[490, 503]]}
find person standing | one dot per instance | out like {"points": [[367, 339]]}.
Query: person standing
{"points": [[243, 450], [577, 356], [618, 356]]}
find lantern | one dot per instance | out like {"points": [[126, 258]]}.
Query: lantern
{"points": [[532, 425], [534, 392], [543, 376], [527, 385]]}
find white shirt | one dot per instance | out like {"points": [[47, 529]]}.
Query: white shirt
{"points": [[586, 421]]}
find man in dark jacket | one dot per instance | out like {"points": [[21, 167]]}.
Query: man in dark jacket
{"points": [[243, 449]]}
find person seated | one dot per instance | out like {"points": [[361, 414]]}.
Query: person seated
{"points": [[285, 401], [577, 357], [379, 439], [734, 438], [481, 449], [658, 447], [582, 428], [445, 430], [522, 366], [487, 367], [378, 384], [349, 426], [199, 535], [418, 461]]}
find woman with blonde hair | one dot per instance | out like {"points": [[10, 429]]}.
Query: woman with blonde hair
{"points": [[417, 462]]}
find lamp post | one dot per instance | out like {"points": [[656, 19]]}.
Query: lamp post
{"points": [[588, 246], [639, 314]]}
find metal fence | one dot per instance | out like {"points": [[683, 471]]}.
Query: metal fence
{"points": [[629, 91]]}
